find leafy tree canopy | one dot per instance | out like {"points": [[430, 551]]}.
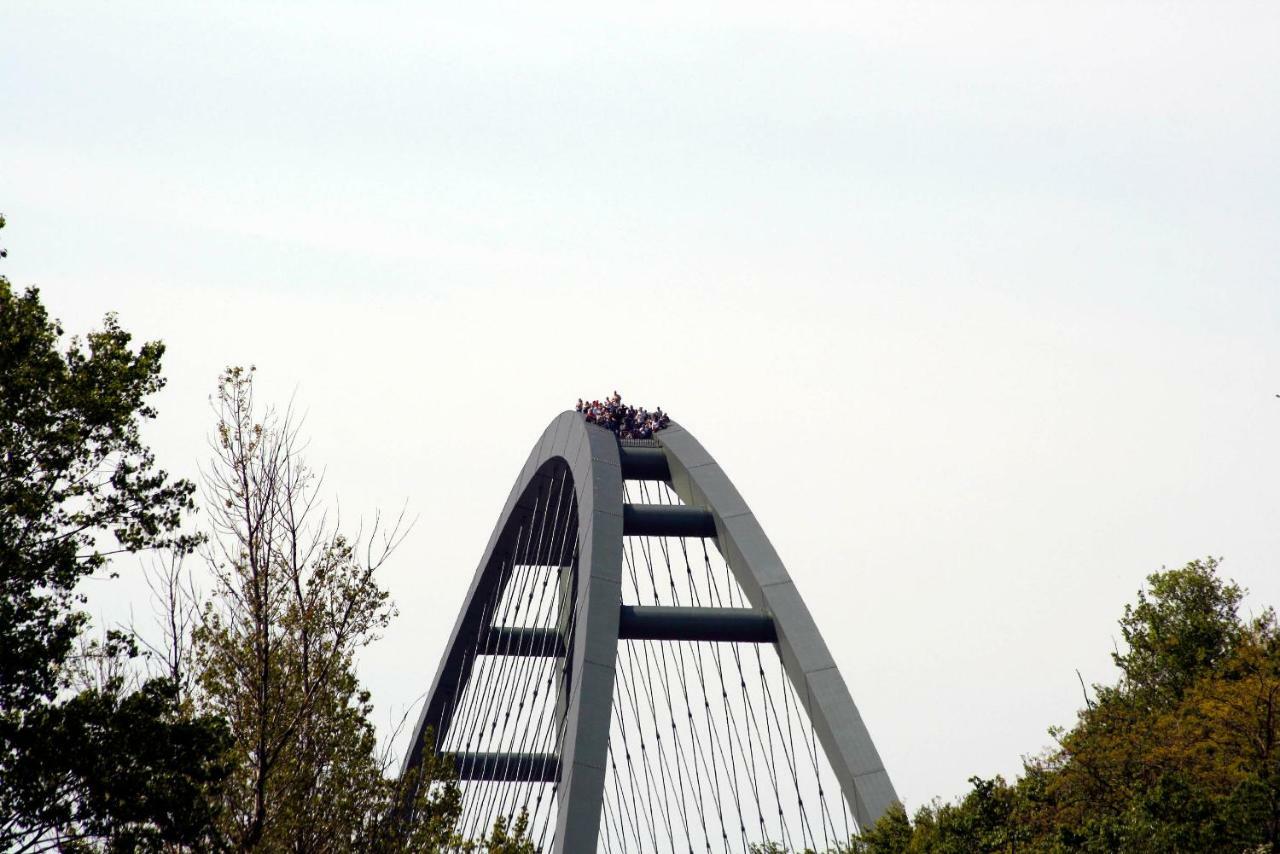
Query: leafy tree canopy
{"points": [[1187, 624], [106, 766], [73, 468], [1183, 754]]}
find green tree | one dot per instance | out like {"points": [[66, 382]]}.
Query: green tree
{"points": [[124, 770], [77, 486], [1187, 624], [1182, 754], [506, 837], [293, 602], [892, 834]]}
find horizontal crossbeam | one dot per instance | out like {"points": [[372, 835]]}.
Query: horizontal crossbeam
{"points": [[728, 625], [506, 767], [643, 463], [666, 520], [525, 642]]}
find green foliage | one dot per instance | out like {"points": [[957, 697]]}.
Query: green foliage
{"points": [[106, 767], [74, 469], [504, 839], [1182, 629], [263, 739], [292, 603], [126, 769], [1183, 754], [890, 835]]}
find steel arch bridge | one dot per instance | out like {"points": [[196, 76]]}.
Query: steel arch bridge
{"points": [[632, 688]]}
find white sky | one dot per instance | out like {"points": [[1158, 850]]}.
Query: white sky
{"points": [[977, 303]]}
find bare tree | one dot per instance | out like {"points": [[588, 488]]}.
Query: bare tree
{"points": [[175, 603]]}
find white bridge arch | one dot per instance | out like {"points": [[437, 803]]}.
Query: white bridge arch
{"points": [[562, 538]]}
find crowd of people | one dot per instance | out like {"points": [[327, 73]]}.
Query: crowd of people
{"points": [[629, 422]]}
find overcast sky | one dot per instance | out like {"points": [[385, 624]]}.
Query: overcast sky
{"points": [[977, 303]]}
